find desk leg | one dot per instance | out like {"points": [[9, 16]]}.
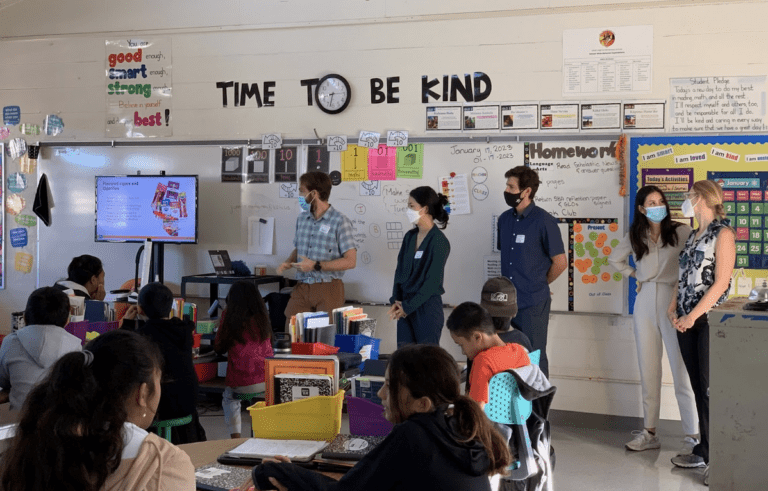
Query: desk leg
{"points": [[183, 289], [214, 297]]}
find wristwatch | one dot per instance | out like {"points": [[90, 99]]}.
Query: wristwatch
{"points": [[317, 266]]}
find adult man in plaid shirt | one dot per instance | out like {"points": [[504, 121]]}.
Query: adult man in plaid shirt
{"points": [[324, 249]]}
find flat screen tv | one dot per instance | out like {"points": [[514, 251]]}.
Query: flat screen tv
{"points": [[134, 208]]}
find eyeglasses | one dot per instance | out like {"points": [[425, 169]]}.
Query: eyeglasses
{"points": [[690, 195]]}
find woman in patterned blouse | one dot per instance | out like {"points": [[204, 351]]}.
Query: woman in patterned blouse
{"points": [[706, 265]]}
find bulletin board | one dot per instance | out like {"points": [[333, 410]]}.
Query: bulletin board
{"points": [[738, 163]]}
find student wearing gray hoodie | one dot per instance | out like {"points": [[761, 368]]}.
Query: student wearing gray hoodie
{"points": [[27, 354]]}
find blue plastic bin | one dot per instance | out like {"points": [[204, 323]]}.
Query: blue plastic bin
{"points": [[353, 343]]}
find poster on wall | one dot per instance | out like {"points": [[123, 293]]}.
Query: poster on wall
{"points": [[717, 104], [736, 163], [520, 117], [601, 116], [138, 80], [443, 118], [607, 60], [643, 115]]}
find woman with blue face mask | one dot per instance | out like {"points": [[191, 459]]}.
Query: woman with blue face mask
{"points": [[416, 300], [654, 241]]}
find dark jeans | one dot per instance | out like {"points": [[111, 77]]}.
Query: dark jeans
{"points": [[534, 322], [694, 346], [424, 325]]}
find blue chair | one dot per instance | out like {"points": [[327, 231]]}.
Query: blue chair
{"points": [[506, 406]]}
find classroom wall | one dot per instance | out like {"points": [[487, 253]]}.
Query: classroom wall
{"points": [[52, 59]]}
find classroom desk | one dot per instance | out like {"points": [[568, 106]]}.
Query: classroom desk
{"points": [[202, 453], [214, 280]]}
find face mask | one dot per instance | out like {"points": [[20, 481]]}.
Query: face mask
{"points": [[413, 215], [513, 199], [303, 203], [656, 213], [687, 209]]}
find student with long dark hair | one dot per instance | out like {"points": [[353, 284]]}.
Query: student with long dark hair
{"points": [[441, 439], [245, 333], [654, 241], [83, 427], [416, 300], [85, 278]]}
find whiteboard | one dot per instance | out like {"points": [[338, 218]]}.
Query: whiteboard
{"points": [[376, 210]]}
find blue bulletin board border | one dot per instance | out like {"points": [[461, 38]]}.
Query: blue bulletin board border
{"points": [[636, 142]]}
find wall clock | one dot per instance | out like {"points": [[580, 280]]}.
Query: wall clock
{"points": [[332, 93]]}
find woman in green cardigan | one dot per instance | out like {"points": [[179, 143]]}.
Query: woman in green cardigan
{"points": [[416, 296]]}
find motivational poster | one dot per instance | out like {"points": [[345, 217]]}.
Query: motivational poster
{"points": [[138, 81]]}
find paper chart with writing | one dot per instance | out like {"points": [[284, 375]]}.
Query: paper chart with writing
{"points": [[410, 161], [382, 163], [354, 163], [456, 188], [609, 60], [597, 285], [717, 104]]}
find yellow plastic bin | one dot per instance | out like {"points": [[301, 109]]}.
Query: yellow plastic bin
{"points": [[314, 418]]}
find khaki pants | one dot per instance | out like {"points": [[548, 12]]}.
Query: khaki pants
{"points": [[317, 297]]}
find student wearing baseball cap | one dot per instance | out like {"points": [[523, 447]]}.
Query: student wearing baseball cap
{"points": [[499, 298]]}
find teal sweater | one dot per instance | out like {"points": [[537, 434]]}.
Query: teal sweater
{"points": [[417, 279]]}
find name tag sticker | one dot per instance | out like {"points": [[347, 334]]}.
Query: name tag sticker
{"points": [[520, 239], [324, 229], [418, 254]]}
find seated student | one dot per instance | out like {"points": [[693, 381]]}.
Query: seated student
{"points": [[245, 334], [85, 278], [27, 354], [82, 427], [441, 439], [499, 298], [174, 338], [471, 328]]}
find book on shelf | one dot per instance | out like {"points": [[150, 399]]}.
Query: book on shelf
{"points": [[365, 326], [291, 387]]}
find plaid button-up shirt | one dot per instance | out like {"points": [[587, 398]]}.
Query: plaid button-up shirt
{"points": [[322, 240]]}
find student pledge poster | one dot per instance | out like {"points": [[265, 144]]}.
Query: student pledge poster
{"points": [[139, 84]]}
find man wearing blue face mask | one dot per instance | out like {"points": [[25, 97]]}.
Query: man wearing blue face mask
{"points": [[532, 256], [654, 241], [324, 249]]}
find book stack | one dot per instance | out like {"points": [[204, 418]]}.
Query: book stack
{"points": [[352, 320], [311, 327]]}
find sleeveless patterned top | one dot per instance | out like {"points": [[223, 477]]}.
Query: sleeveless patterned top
{"points": [[697, 268]]}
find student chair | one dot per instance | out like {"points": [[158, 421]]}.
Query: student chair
{"points": [[164, 427], [506, 406], [249, 397]]}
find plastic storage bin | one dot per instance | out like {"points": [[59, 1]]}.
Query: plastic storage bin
{"points": [[367, 418], [314, 418], [355, 343], [368, 388], [205, 371], [313, 349]]}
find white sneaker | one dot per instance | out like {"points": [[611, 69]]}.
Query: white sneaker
{"points": [[643, 441], [688, 444], [706, 476]]}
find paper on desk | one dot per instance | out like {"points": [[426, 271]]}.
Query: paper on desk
{"points": [[261, 231], [264, 448]]}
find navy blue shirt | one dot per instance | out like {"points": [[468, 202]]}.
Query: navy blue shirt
{"points": [[527, 242]]}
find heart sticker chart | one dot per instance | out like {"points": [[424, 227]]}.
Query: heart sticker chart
{"points": [[595, 282]]}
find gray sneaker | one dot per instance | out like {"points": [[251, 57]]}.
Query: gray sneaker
{"points": [[706, 476], [688, 461], [643, 441]]}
